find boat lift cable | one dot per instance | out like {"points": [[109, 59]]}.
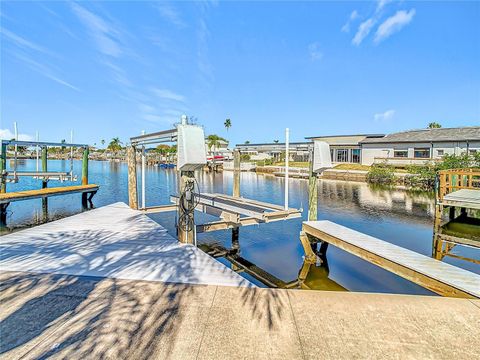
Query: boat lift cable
{"points": [[188, 201]]}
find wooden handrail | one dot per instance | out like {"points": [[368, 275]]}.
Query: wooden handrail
{"points": [[456, 179]]}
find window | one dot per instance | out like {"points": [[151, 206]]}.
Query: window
{"points": [[331, 155], [356, 156], [400, 153], [342, 155], [440, 152], [421, 153]]}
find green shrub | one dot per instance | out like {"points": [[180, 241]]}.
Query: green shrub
{"points": [[423, 177], [244, 157], [381, 174]]}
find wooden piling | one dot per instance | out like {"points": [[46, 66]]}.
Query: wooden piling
{"points": [[44, 165], [132, 177], [3, 168], [186, 220], [236, 173], [312, 190], [85, 166]]}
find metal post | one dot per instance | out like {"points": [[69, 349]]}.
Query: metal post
{"points": [[38, 151], [143, 177], [132, 177], [236, 173], [3, 167], [287, 154], [312, 190], [85, 166], [71, 155], [16, 149]]}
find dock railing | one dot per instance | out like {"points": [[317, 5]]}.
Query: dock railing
{"points": [[452, 180]]}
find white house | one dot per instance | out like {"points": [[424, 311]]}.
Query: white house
{"points": [[417, 147]]}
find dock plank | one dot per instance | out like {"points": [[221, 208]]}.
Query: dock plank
{"points": [[433, 274], [113, 241], [46, 192], [463, 198]]}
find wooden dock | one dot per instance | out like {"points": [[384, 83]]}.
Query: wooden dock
{"points": [[437, 276], [113, 241], [457, 191], [47, 192]]}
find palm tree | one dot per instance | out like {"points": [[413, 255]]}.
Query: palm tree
{"points": [[228, 124], [115, 145], [247, 142], [102, 141], [434, 125], [275, 141], [213, 141]]}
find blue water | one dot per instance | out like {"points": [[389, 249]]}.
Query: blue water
{"points": [[395, 216]]}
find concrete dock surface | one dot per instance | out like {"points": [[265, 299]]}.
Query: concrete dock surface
{"points": [[112, 241], [78, 317]]}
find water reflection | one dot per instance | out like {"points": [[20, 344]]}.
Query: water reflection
{"points": [[396, 216]]}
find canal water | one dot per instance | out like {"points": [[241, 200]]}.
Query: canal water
{"points": [[396, 216]]}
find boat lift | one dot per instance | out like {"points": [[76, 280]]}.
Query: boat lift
{"points": [[234, 211], [44, 175]]}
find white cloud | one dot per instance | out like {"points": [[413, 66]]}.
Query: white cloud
{"points": [[45, 71], [314, 51], [23, 43], [6, 134], [385, 116], [363, 30], [166, 94], [104, 34], [394, 24], [354, 15], [170, 14], [381, 4]]}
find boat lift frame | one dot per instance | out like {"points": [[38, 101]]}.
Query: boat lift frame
{"points": [[43, 175], [233, 211]]}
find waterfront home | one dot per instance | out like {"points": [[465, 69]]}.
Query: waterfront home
{"points": [[413, 147], [416, 147]]}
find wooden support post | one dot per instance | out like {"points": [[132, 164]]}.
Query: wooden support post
{"points": [[312, 191], [186, 221], [132, 177], [44, 165], [452, 213], [3, 168], [236, 173], [85, 166], [3, 215], [310, 256], [45, 182], [235, 236]]}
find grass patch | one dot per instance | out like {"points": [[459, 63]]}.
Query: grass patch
{"points": [[352, 167], [299, 164]]}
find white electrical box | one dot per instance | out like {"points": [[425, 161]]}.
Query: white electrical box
{"points": [[321, 156], [191, 153]]}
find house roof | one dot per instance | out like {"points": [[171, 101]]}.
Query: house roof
{"points": [[471, 133], [353, 135]]}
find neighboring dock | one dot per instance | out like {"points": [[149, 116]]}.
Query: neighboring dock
{"points": [[457, 190], [437, 276], [112, 242]]}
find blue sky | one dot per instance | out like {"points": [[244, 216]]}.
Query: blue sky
{"points": [[110, 69]]}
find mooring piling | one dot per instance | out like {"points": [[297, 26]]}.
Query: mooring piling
{"points": [[132, 177]]}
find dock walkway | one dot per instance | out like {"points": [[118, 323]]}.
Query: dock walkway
{"points": [[113, 241], [433, 274]]}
